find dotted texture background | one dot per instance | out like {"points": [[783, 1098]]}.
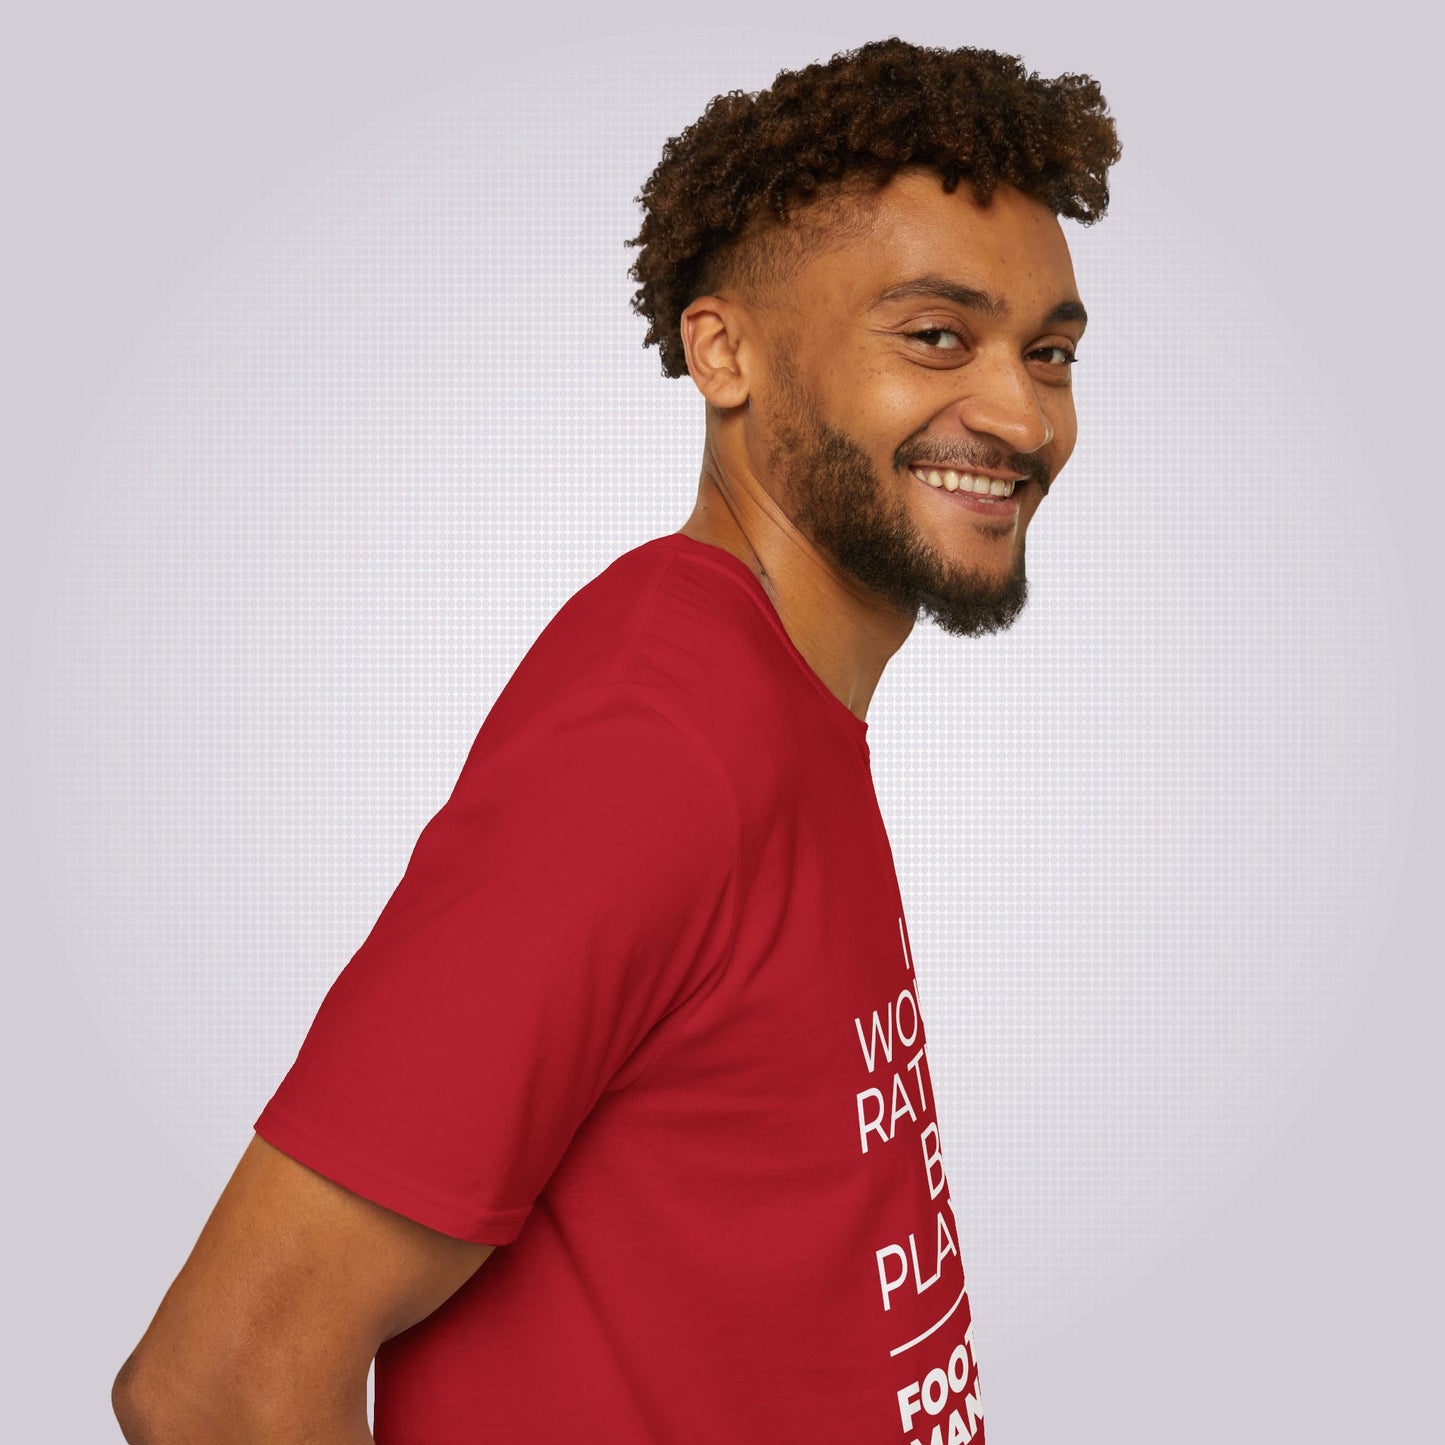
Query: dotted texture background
{"points": [[322, 394]]}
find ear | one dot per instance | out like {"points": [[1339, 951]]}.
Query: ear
{"points": [[711, 337]]}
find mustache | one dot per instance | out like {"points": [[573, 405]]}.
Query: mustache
{"points": [[1030, 468]]}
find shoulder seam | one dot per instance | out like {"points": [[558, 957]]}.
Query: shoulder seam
{"points": [[729, 793], [639, 622], [707, 751], [640, 693]]}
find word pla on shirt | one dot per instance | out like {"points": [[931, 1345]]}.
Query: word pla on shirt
{"points": [[942, 1405]]}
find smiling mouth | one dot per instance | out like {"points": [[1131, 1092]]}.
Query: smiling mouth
{"points": [[947, 479]]}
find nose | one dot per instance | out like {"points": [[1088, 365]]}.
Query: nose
{"points": [[1003, 402]]}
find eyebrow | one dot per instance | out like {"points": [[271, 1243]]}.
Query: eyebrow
{"points": [[971, 298]]}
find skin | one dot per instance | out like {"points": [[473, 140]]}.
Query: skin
{"points": [[817, 398], [269, 1330]]}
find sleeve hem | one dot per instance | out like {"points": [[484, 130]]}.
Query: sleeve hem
{"points": [[449, 1216]]}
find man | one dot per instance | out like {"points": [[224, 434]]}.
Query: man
{"points": [[641, 1015]]}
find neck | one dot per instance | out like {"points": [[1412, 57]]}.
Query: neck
{"points": [[845, 632]]}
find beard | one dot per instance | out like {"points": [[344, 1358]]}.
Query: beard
{"points": [[836, 498]]}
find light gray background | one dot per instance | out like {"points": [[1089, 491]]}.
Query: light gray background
{"points": [[322, 394]]}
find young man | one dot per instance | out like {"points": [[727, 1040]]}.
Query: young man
{"points": [[641, 1014]]}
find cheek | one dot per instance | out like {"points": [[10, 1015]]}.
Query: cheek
{"points": [[867, 404], [889, 414]]}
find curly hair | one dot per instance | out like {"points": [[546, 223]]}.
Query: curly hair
{"points": [[719, 207]]}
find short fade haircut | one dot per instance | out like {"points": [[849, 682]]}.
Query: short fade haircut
{"points": [[719, 208]]}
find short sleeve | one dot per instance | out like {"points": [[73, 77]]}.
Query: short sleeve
{"points": [[577, 886]]}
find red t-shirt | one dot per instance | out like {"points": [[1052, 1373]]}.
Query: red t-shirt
{"points": [[642, 1010]]}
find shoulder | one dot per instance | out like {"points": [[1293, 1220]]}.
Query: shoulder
{"points": [[683, 625], [668, 665]]}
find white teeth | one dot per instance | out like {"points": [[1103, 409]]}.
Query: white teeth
{"points": [[963, 481]]}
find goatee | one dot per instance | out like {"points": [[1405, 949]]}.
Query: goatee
{"points": [[836, 498]]}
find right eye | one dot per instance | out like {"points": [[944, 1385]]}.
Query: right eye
{"points": [[931, 332]]}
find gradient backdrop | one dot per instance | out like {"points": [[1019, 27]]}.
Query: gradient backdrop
{"points": [[322, 393]]}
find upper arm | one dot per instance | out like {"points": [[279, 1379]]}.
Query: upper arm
{"points": [[293, 1284]]}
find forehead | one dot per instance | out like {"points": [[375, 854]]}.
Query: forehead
{"points": [[1013, 245]]}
